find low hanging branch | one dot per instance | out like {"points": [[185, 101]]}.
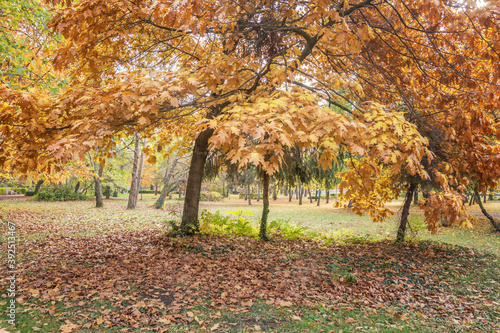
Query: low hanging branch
{"points": [[495, 224]]}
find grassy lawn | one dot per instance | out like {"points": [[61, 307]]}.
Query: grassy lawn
{"points": [[82, 269]]}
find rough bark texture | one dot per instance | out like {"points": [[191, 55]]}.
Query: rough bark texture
{"points": [[190, 223], [265, 210], [38, 185], [107, 192], [405, 213], [99, 202], [134, 185], [494, 223]]}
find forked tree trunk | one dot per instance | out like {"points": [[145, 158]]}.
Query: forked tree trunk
{"points": [[167, 188], [190, 223], [98, 187], [265, 210], [494, 223], [38, 185], [403, 224], [134, 184]]}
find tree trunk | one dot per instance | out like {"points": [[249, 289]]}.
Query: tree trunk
{"points": [[405, 213], [77, 187], [139, 176], [415, 198], [107, 192], [156, 189], [163, 195], [275, 194], [297, 193], [258, 191], [249, 195], [38, 185], [290, 193], [190, 223], [484, 197], [318, 196], [327, 195], [494, 223], [300, 193], [98, 187], [310, 197], [265, 210], [134, 184]]}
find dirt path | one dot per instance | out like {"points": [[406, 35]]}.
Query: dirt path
{"points": [[13, 197]]}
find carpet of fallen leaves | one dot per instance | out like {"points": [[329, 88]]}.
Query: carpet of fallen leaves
{"points": [[144, 280]]}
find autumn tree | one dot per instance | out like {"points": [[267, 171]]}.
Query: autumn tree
{"points": [[273, 65]]}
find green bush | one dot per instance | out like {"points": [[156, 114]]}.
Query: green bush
{"points": [[146, 191], [29, 193], [287, 229], [210, 196], [2, 191], [20, 190], [215, 223], [59, 193]]}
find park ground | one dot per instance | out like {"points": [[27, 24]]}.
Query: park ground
{"points": [[82, 269]]}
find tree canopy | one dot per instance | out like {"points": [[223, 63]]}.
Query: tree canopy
{"points": [[417, 82]]}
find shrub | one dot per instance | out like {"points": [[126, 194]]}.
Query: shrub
{"points": [[2, 191], [227, 225], [210, 196], [20, 190], [287, 229], [59, 193], [29, 193], [146, 191]]}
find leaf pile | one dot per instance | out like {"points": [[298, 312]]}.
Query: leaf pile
{"points": [[144, 279]]}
